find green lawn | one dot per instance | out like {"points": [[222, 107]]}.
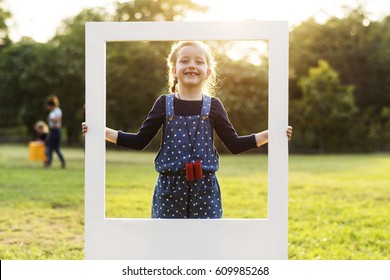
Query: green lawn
{"points": [[339, 205]]}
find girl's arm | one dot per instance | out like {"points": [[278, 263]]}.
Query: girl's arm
{"points": [[144, 136], [238, 144], [111, 134], [262, 137]]}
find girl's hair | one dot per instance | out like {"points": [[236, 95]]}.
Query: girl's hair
{"points": [[42, 125], [210, 84], [52, 100]]}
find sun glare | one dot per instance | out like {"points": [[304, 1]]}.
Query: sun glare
{"points": [[253, 51], [233, 10]]}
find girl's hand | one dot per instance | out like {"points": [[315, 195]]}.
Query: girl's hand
{"points": [[289, 132], [84, 128]]}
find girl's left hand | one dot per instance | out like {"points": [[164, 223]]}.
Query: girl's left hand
{"points": [[289, 132]]}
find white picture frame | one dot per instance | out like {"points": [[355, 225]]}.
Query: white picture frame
{"points": [[180, 239]]}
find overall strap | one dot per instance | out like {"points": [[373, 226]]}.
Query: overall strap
{"points": [[206, 106], [169, 106]]}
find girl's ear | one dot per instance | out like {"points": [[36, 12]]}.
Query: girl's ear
{"points": [[208, 73], [174, 72]]}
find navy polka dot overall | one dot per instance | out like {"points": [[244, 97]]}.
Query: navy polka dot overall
{"points": [[187, 139]]}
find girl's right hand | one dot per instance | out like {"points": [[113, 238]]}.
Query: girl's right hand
{"points": [[84, 128]]}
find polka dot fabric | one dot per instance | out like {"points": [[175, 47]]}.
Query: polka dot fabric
{"points": [[187, 139]]}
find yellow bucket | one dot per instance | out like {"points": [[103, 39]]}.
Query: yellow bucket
{"points": [[37, 151]]}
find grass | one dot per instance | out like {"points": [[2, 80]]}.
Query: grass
{"points": [[339, 207], [130, 180], [41, 210], [338, 204]]}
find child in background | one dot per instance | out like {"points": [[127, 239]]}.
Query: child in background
{"points": [[41, 131], [187, 185], [37, 147]]}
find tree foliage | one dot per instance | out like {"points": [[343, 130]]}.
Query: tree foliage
{"points": [[25, 78], [136, 75], [4, 32], [69, 44], [155, 10], [327, 108], [358, 50]]}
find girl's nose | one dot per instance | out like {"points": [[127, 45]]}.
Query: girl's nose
{"points": [[192, 65]]}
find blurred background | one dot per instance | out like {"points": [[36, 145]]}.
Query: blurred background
{"points": [[339, 78]]}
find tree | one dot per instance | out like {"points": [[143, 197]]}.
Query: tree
{"points": [[327, 109], [341, 41], [69, 44], [30, 71], [155, 10], [244, 92], [359, 51], [377, 86], [136, 75], [4, 32], [25, 80]]}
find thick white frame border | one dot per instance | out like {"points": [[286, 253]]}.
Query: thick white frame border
{"points": [[178, 238]]}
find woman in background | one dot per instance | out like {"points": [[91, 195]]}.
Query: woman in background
{"points": [[55, 122]]}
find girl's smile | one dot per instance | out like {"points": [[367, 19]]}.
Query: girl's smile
{"points": [[191, 68], [190, 73]]}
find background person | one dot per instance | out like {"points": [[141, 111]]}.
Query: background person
{"points": [[41, 131], [54, 120]]}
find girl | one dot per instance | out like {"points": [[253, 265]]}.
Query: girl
{"points": [[41, 131], [187, 186], [55, 122], [37, 147]]}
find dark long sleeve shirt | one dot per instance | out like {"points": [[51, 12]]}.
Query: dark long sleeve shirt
{"points": [[219, 121]]}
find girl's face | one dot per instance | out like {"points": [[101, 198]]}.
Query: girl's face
{"points": [[191, 68]]}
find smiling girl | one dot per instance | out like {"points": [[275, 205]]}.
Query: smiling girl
{"points": [[187, 162]]}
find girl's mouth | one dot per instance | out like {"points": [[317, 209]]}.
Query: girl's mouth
{"points": [[191, 74]]}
